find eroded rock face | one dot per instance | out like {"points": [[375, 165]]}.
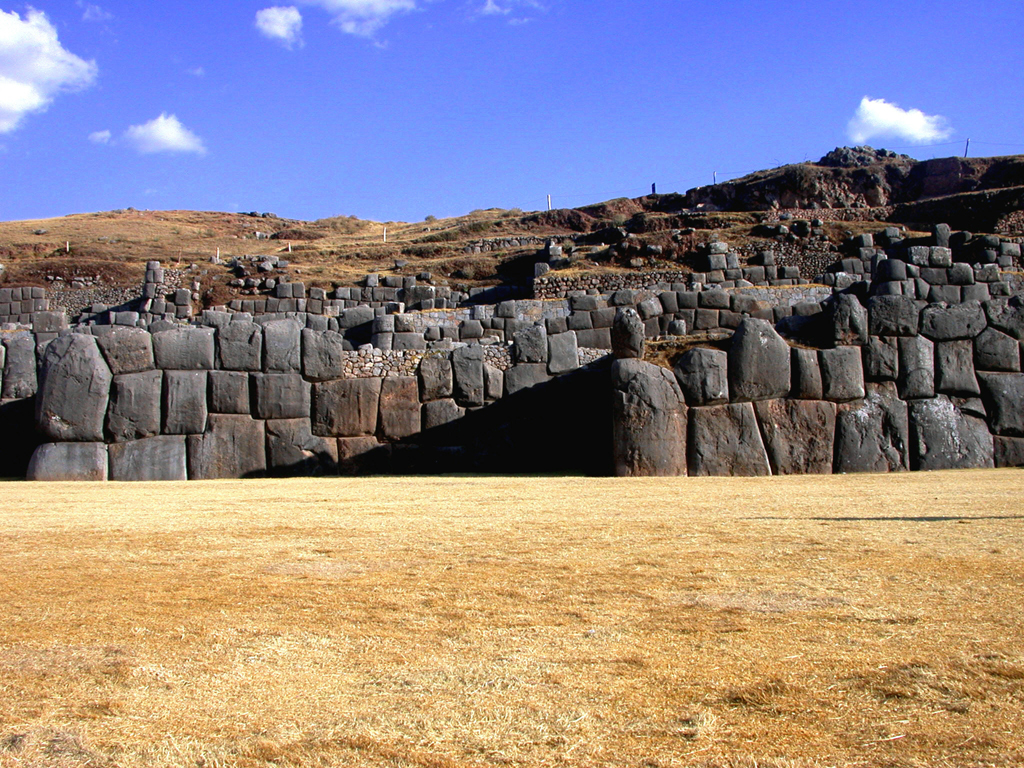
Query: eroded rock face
{"points": [[233, 446], [703, 376], [759, 362], [725, 440], [69, 461], [942, 436], [628, 335], [74, 390], [155, 458], [650, 420], [799, 435], [873, 435], [293, 449]]}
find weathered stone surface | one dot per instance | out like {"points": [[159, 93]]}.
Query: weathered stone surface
{"points": [[293, 449], [954, 369], [530, 345], [759, 362], [494, 383], [917, 367], [437, 413], [184, 348], [240, 346], [725, 440], [893, 316], [1003, 395], [69, 461], [959, 321], [943, 437], [233, 446], [524, 376], [806, 374], [346, 407], [399, 407], [872, 435], [20, 377], [850, 321], [468, 375], [703, 376], [649, 420], [282, 346], [280, 396], [363, 455], [74, 390], [798, 435], [134, 409], [996, 351], [1009, 451], [881, 358], [842, 374], [1007, 315], [155, 458], [563, 353], [126, 350], [185, 408], [408, 341], [229, 392], [435, 374], [628, 334]]}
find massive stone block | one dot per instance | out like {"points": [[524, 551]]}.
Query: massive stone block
{"points": [[185, 408], [126, 349], [282, 346], [850, 321], [134, 410], [628, 334], [229, 392], [437, 413], [893, 316], [184, 348], [798, 435], [872, 435], [881, 358], [69, 461], [996, 351], [1007, 315], [1009, 451], [155, 458], [435, 374], [530, 345], [1003, 395], [233, 446], [280, 396], [703, 376], [524, 376], [322, 355], [917, 367], [954, 369], [944, 437], [759, 362], [959, 321], [363, 455], [563, 353], [494, 382], [293, 449], [399, 407], [842, 374], [806, 374], [74, 390], [20, 377], [346, 407], [725, 440], [649, 420], [240, 346], [468, 375]]}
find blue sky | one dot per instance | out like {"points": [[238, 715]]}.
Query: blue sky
{"points": [[399, 109]]}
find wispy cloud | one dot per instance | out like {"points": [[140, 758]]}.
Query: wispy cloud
{"points": [[100, 137], [516, 11], [363, 17], [91, 12], [164, 134], [35, 67], [282, 24], [196, 71], [880, 119]]}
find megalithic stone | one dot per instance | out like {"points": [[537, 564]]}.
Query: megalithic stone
{"points": [[74, 390]]}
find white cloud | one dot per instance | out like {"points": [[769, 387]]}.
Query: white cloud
{"points": [[164, 134], [363, 17], [35, 67], [100, 137], [196, 71], [493, 9], [281, 23], [92, 12], [877, 118]]}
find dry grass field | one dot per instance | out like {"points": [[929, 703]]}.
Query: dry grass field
{"points": [[440, 622]]}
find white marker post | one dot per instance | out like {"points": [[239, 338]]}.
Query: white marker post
{"points": [[549, 202], [385, 234]]}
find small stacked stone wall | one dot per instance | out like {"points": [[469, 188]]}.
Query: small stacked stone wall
{"points": [[17, 305]]}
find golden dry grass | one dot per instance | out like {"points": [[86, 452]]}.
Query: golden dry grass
{"points": [[784, 622]]}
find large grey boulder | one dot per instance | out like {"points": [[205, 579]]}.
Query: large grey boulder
{"points": [[1007, 315], [240, 346], [563, 353], [468, 375], [954, 369], [530, 345], [184, 348], [703, 376], [229, 392], [798, 435], [68, 461], [525, 376], [1003, 395], [346, 407], [280, 396], [293, 449], [74, 390], [649, 422], [944, 437], [806, 374], [134, 409], [842, 374], [435, 375], [155, 458], [126, 349], [917, 367], [881, 358], [893, 316], [437, 413], [996, 351], [628, 334], [282, 346], [20, 377], [725, 440], [849, 321], [759, 362], [958, 321], [233, 446], [323, 355], [399, 407], [185, 408], [872, 435]]}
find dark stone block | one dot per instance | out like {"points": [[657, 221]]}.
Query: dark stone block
{"points": [[435, 375], [798, 435], [893, 316], [399, 407], [628, 334], [842, 374], [524, 376], [996, 351], [563, 354], [134, 410], [126, 350], [69, 461], [649, 420], [850, 321], [881, 358], [917, 367], [961, 321], [713, 299], [74, 390], [155, 458], [599, 338], [1009, 451], [806, 374], [185, 411], [943, 437], [438, 413], [954, 369], [229, 392], [703, 376], [184, 348], [363, 456], [322, 355], [232, 447], [280, 396], [725, 440], [240, 346], [346, 407], [468, 375], [759, 363], [872, 435], [282, 346], [20, 374], [293, 449], [530, 345], [1003, 395]]}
